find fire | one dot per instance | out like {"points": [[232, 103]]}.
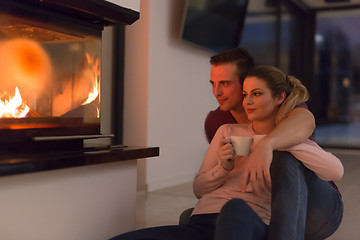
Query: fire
{"points": [[24, 64], [81, 91], [95, 81], [13, 107]]}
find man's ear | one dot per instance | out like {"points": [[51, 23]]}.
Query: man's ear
{"points": [[281, 98]]}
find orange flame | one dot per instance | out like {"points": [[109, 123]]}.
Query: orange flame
{"points": [[13, 107], [82, 89], [96, 80]]}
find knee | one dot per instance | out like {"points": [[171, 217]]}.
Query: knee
{"points": [[283, 160], [284, 164], [234, 206], [239, 212]]}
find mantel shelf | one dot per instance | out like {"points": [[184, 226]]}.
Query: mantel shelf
{"points": [[12, 164]]}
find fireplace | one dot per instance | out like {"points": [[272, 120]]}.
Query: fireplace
{"points": [[50, 81], [50, 77]]}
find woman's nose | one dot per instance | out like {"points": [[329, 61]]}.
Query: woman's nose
{"points": [[248, 100]]}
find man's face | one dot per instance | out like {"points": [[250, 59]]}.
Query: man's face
{"points": [[226, 86]]}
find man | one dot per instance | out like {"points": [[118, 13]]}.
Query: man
{"points": [[228, 69]]}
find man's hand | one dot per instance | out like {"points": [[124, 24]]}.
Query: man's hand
{"points": [[226, 154], [256, 170]]}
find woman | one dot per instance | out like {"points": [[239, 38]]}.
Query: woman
{"points": [[303, 205], [245, 213]]}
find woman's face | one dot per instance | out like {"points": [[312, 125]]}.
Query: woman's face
{"points": [[258, 102]]}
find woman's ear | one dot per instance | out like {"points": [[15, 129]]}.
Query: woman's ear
{"points": [[281, 98]]}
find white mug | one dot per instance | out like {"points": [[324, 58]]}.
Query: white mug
{"points": [[242, 145]]}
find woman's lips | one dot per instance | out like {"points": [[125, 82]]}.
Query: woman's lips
{"points": [[250, 110]]}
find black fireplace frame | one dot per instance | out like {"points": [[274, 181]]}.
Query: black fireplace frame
{"points": [[88, 16]]}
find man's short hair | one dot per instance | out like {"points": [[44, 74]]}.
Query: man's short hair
{"points": [[239, 56]]}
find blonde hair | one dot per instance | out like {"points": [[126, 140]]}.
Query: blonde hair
{"points": [[279, 82]]}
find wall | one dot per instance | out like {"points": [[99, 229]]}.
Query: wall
{"points": [[72, 204], [167, 94], [136, 87], [131, 4]]}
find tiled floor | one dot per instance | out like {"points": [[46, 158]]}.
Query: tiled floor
{"points": [[163, 207]]}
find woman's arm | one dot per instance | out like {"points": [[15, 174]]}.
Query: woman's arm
{"points": [[324, 164], [213, 173], [295, 129]]}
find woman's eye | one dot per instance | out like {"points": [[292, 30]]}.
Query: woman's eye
{"points": [[257, 93]]}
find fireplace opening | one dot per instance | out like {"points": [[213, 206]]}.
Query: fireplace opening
{"points": [[50, 79]]}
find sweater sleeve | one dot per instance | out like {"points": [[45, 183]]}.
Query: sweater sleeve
{"points": [[211, 174], [325, 165]]}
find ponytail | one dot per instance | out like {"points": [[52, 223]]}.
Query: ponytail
{"points": [[298, 94]]}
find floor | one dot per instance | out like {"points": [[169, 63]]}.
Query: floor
{"points": [[163, 207]]}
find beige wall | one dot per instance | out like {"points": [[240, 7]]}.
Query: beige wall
{"points": [[92, 202], [132, 4], [136, 87], [167, 94]]}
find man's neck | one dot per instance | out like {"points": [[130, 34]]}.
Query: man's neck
{"points": [[240, 116]]}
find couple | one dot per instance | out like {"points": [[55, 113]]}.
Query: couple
{"points": [[240, 198]]}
